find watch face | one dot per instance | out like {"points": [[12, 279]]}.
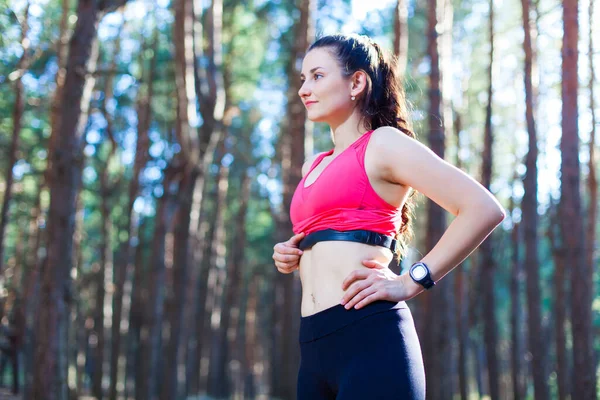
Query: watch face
{"points": [[419, 272]]}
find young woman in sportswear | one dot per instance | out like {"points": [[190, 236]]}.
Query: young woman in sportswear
{"points": [[351, 210]]}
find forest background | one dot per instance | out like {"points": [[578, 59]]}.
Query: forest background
{"points": [[149, 151]]}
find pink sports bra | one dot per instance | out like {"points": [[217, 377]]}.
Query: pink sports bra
{"points": [[342, 197]]}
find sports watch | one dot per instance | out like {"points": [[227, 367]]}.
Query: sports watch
{"points": [[419, 272]]}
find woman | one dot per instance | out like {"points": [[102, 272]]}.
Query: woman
{"points": [[357, 335]]}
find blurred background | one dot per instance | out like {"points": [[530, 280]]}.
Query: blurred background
{"points": [[149, 151]]}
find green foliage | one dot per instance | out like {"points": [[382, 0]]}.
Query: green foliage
{"points": [[257, 40]]}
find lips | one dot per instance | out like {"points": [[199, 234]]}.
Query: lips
{"points": [[308, 103]]}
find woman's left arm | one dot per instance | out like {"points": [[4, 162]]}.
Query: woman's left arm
{"points": [[403, 160]]}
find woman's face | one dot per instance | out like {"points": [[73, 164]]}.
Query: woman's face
{"points": [[324, 92]]}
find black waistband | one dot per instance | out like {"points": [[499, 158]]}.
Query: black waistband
{"points": [[361, 236]]}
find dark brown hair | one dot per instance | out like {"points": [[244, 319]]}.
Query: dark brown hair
{"points": [[383, 103]]}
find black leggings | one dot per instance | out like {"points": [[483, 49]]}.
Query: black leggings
{"points": [[372, 353]]}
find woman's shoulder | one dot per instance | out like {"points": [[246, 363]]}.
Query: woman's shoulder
{"points": [[386, 138], [390, 132]]}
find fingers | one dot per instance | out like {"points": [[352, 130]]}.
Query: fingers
{"points": [[286, 268], [285, 248], [294, 240], [375, 295], [373, 264], [286, 258], [363, 294], [287, 254], [354, 291], [286, 263], [353, 276]]}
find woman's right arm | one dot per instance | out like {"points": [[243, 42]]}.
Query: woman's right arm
{"points": [[287, 254]]}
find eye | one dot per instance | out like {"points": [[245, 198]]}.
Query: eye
{"points": [[316, 75]]}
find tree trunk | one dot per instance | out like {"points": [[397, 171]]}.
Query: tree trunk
{"points": [[212, 104], [216, 366], [401, 36], [214, 271], [104, 277], [238, 314], [139, 292], [436, 349], [488, 266], [196, 291], [592, 181], [251, 343], [152, 344], [76, 357], [180, 272], [584, 378], [560, 307], [231, 293], [64, 177], [61, 56], [537, 345], [104, 280], [516, 313], [125, 268], [198, 361], [139, 295], [30, 292], [18, 109]]}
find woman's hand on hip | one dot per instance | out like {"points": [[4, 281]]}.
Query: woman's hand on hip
{"points": [[364, 286], [287, 254]]}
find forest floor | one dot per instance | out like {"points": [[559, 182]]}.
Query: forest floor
{"points": [[6, 394]]}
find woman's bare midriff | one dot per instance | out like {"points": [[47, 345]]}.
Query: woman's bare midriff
{"points": [[324, 267]]}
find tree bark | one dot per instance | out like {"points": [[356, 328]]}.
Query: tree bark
{"points": [[436, 351], [592, 181], [560, 307], [488, 266], [139, 292], [516, 313], [61, 56], [516, 317], [250, 343], [584, 378], [216, 372], [105, 274], [64, 175], [203, 254], [180, 272], [401, 36], [210, 313], [76, 356], [125, 268], [151, 344], [231, 294], [537, 345], [30, 292], [18, 108], [238, 314], [196, 290]]}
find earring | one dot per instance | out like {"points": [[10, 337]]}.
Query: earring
{"points": [[353, 98]]}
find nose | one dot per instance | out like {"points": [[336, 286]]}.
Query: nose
{"points": [[304, 91]]}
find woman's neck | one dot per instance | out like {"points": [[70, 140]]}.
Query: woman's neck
{"points": [[346, 133]]}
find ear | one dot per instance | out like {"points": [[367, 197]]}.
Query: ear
{"points": [[358, 83]]}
